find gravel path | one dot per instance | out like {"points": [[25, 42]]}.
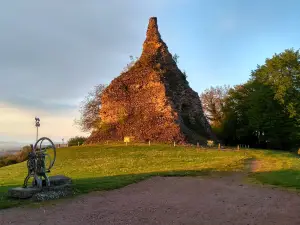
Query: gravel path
{"points": [[169, 200]]}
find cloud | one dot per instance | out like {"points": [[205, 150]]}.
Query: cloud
{"points": [[53, 52], [58, 49], [18, 124], [50, 106]]}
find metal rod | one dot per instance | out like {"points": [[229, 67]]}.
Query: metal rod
{"points": [[37, 133]]}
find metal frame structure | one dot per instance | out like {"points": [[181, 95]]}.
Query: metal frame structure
{"points": [[36, 163]]}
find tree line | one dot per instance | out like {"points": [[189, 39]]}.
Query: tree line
{"points": [[264, 112]]}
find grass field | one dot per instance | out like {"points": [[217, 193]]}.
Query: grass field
{"points": [[106, 167]]}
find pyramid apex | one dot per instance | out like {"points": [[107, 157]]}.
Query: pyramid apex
{"points": [[152, 31], [153, 20]]}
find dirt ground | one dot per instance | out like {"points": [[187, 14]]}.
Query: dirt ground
{"points": [[169, 200]]}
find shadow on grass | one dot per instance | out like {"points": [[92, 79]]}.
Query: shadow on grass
{"points": [[5, 202], [113, 182], [284, 178], [280, 154]]}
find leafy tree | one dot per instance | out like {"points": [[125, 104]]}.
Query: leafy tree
{"points": [[282, 74], [213, 103], [75, 141], [233, 127], [264, 112], [89, 110], [253, 116]]}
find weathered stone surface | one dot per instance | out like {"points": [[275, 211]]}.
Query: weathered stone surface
{"points": [[152, 100], [22, 193], [60, 186], [59, 180]]}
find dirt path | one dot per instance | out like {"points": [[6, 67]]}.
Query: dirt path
{"points": [[169, 200]]}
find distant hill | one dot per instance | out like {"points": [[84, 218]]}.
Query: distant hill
{"points": [[10, 147], [6, 145]]}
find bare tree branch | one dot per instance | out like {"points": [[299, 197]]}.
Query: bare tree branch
{"points": [[213, 103], [90, 110]]}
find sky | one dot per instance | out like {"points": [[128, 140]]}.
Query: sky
{"points": [[52, 53]]}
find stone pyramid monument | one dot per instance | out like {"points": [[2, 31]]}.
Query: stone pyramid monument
{"points": [[152, 100]]}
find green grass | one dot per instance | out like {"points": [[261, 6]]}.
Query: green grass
{"points": [[106, 167], [277, 168]]}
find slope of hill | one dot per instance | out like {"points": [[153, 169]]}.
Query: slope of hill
{"points": [[10, 147], [105, 167]]}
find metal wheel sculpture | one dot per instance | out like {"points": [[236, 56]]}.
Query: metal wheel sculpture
{"points": [[40, 160]]}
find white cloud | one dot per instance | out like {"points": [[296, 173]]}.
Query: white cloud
{"points": [[53, 52], [18, 124]]}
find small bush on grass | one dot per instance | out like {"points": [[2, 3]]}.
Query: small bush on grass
{"points": [[75, 141]]}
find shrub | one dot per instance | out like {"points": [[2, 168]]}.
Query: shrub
{"points": [[75, 141], [23, 154], [20, 156]]}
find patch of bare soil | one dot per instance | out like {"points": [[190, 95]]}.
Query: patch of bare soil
{"points": [[255, 165], [169, 200]]}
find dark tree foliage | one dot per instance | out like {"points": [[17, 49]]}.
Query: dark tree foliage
{"points": [[75, 141], [282, 74], [265, 111]]}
